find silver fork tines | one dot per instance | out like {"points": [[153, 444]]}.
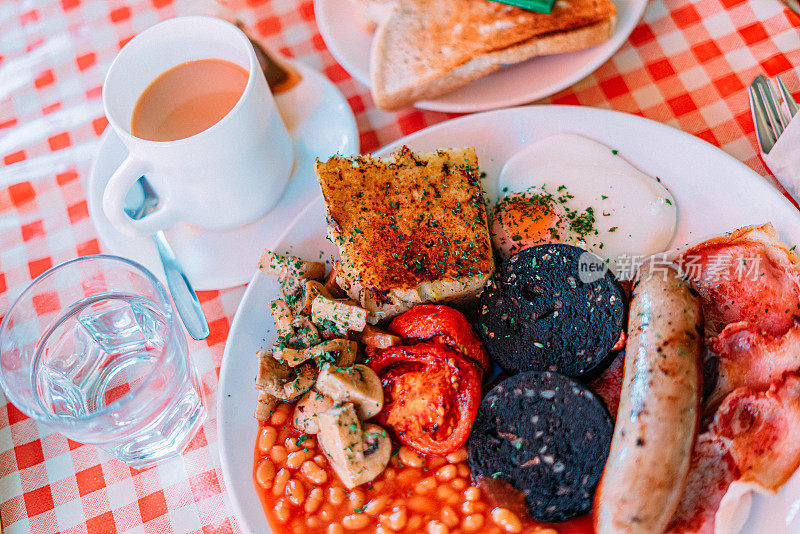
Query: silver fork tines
{"points": [[787, 97], [766, 137], [770, 115]]}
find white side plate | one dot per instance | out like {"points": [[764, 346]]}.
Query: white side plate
{"points": [[525, 82]]}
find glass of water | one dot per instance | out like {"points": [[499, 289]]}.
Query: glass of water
{"points": [[93, 348]]}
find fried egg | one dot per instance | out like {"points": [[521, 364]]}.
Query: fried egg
{"points": [[567, 188]]}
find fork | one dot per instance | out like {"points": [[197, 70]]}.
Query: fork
{"points": [[772, 110]]}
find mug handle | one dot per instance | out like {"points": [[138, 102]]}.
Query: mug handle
{"points": [[114, 200]]}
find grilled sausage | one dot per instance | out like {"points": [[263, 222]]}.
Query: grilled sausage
{"points": [[659, 407]]}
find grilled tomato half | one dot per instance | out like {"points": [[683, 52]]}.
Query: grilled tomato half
{"points": [[431, 395], [442, 325]]}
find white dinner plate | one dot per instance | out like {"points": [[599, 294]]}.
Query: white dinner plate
{"points": [[522, 83], [713, 191]]}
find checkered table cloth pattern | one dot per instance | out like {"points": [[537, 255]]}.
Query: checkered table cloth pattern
{"points": [[686, 64]]}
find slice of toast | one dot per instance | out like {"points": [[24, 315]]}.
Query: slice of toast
{"points": [[426, 48], [410, 229]]}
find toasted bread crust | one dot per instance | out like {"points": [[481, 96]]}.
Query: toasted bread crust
{"points": [[429, 47], [409, 229]]}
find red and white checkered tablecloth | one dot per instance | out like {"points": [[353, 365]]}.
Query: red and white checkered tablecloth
{"points": [[687, 64]]}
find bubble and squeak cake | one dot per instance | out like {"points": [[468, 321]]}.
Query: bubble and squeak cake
{"points": [[410, 229]]}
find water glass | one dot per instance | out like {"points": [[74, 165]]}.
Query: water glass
{"points": [[93, 349]]}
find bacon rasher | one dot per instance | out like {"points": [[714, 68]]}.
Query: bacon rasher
{"points": [[752, 358], [711, 473], [745, 275]]}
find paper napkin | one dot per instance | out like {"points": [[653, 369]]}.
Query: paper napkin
{"points": [[784, 159]]}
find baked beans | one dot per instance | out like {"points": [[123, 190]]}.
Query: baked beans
{"points": [[410, 458], [265, 473], [314, 473], [281, 414], [336, 495], [397, 519], [314, 500], [463, 470], [302, 494], [420, 504], [458, 456], [446, 473], [266, 438], [414, 523], [459, 484], [295, 459], [507, 520], [295, 492], [281, 479], [377, 505], [282, 511], [356, 498], [355, 521], [472, 523], [425, 486], [278, 454], [472, 493], [449, 516], [435, 527]]}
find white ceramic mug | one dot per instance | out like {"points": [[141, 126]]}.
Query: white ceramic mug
{"points": [[227, 175]]}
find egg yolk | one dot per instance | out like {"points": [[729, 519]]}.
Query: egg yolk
{"points": [[523, 220]]}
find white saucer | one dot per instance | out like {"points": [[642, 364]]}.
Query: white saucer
{"points": [[321, 124]]}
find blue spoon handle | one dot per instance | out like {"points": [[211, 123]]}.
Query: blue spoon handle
{"points": [[182, 293]]}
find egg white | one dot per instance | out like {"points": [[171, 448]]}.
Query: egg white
{"points": [[635, 215]]}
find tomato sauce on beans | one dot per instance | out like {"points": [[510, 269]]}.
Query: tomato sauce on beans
{"points": [[301, 493]]}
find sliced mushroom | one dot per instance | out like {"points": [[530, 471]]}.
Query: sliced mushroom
{"points": [[292, 357], [281, 381], [272, 375], [307, 410], [265, 406], [279, 265], [303, 381], [340, 352], [372, 336], [357, 455], [283, 318], [377, 445], [332, 285], [293, 292], [357, 384], [312, 290], [338, 315], [293, 274], [305, 333]]}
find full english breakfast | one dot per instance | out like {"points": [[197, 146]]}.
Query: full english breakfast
{"points": [[625, 402], [543, 320]]}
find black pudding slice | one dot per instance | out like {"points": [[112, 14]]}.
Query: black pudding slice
{"points": [[536, 314], [541, 440]]}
